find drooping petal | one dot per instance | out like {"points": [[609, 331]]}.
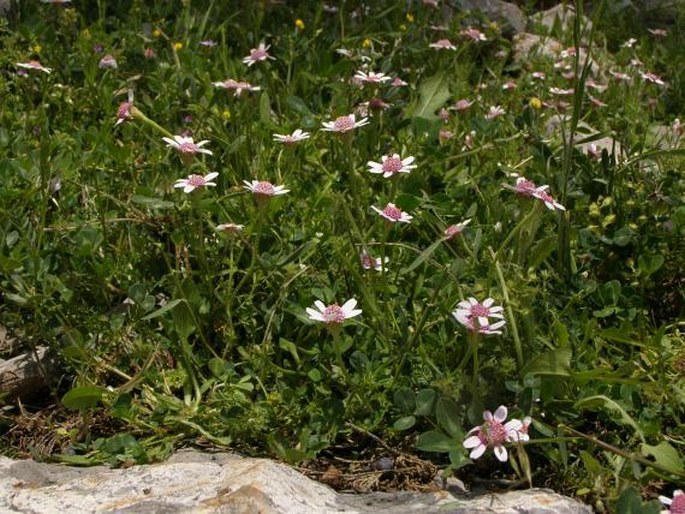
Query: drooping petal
{"points": [[500, 453]]}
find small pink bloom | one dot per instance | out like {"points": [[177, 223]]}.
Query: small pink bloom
{"points": [[371, 77], [509, 85], [391, 165], [230, 228], [473, 34], [495, 111], [369, 262], [108, 62], [398, 82], [560, 92], [596, 101], [462, 105], [393, 214], [264, 189], [653, 78], [186, 145], [149, 53], [333, 314], [539, 75], [34, 65], [443, 44], [236, 86], [196, 182], [676, 504], [291, 139], [658, 32], [124, 113], [445, 135], [258, 54], [624, 77], [455, 230], [494, 433], [344, 124], [470, 311]]}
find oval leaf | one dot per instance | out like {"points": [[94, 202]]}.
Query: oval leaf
{"points": [[83, 397]]}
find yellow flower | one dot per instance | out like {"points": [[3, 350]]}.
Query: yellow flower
{"points": [[36, 48], [299, 24], [535, 103], [366, 43], [226, 114], [156, 32], [178, 45], [410, 17]]}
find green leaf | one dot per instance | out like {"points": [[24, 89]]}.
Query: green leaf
{"points": [[665, 455], [542, 250], [556, 362], [404, 423], [422, 257], [447, 414], [601, 401], [297, 104], [152, 203], [433, 93], [405, 400], [425, 402], [630, 502], [83, 397], [159, 312], [265, 108], [434, 441], [648, 264]]}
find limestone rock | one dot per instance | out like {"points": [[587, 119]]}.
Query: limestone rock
{"points": [[509, 15], [203, 483], [563, 15]]}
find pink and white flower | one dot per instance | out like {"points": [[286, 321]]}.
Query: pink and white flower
{"points": [[494, 433], [229, 228], [124, 113], [653, 78], [194, 182], [369, 262], [560, 92], [186, 145], [525, 187], [333, 314], [623, 77], [290, 139], [108, 62], [658, 32], [473, 34], [443, 44], [676, 504], [236, 86], [471, 310], [398, 82], [264, 189], [261, 53], [391, 165], [494, 112], [344, 124], [393, 214], [455, 230], [371, 77], [462, 105], [34, 65]]}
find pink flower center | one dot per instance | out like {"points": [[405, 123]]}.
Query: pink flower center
{"points": [[187, 147], [196, 180], [264, 188], [444, 43], [392, 212], [492, 433], [343, 123], [334, 314], [480, 311], [525, 187], [258, 54], [392, 165], [124, 110], [678, 504], [452, 231]]}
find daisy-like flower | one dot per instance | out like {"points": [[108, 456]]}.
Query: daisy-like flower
{"points": [[623, 77], [676, 504], [455, 230], [229, 228], [495, 111], [344, 124], [630, 43], [391, 165], [525, 187], [509, 85], [522, 432], [186, 145], [398, 82], [658, 32], [393, 214], [369, 262], [443, 44], [462, 105], [594, 85], [124, 113], [34, 65], [264, 189], [471, 310], [371, 77], [291, 139], [194, 182], [236, 86], [653, 78], [473, 34], [539, 75], [560, 92], [593, 152], [494, 433], [333, 314], [261, 53], [208, 43], [596, 101], [108, 62]]}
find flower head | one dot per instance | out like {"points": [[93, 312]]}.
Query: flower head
{"points": [[676, 505], [494, 433], [371, 77], [108, 61], [393, 214], [495, 111], [525, 187], [260, 53], [476, 315], [194, 182], [473, 34], [229, 228], [344, 124], [455, 230], [186, 145], [264, 189], [124, 112], [391, 165], [652, 78], [369, 262], [208, 43], [443, 44], [333, 314], [34, 65], [398, 82], [236, 86], [290, 139]]}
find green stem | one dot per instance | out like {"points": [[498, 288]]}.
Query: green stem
{"points": [[510, 311]]}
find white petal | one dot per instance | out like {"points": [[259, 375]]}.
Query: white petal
{"points": [[320, 305], [478, 451], [500, 453], [501, 413], [472, 442], [189, 188], [349, 305]]}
